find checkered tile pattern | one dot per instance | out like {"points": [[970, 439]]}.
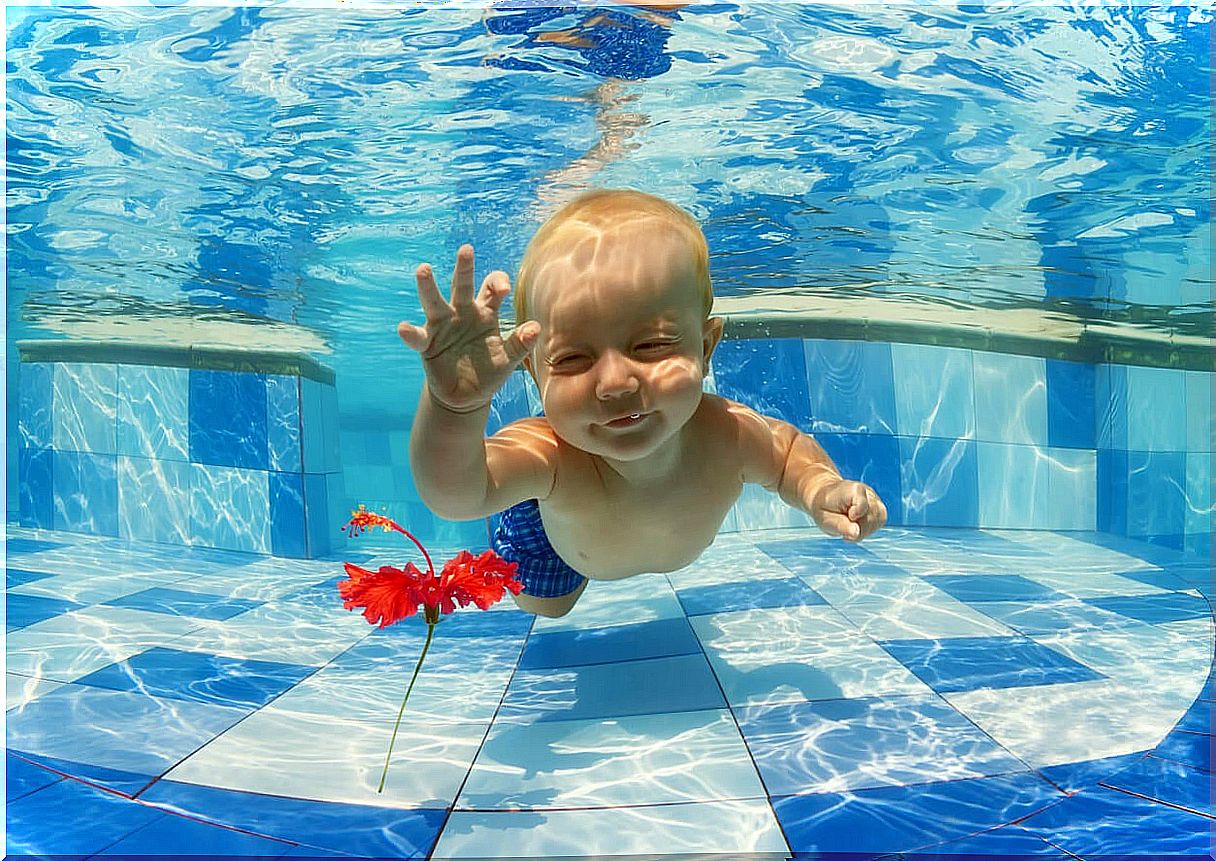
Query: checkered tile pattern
{"points": [[784, 694]]}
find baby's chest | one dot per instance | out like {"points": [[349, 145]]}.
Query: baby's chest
{"points": [[616, 535]]}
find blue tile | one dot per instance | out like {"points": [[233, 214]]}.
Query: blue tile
{"points": [[1049, 618], [35, 416], [171, 836], [288, 526], [1008, 843], [228, 419], [1199, 717], [26, 610], [29, 545], [1110, 399], [870, 458], [18, 577], [1169, 782], [1155, 608], [153, 414], [993, 587], [767, 375], [322, 532], [939, 482], [1076, 776], [1112, 491], [509, 403], [796, 554], [69, 818], [656, 686], [361, 830], [1104, 822], [1188, 748], [119, 780], [1156, 502], [660, 638], [22, 777], [36, 498], [903, 818], [850, 734], [749, 595], [285, 451], [971, 663], [200, 677], [851, 388], [1070, 405], [86, 492], [178, 602]]}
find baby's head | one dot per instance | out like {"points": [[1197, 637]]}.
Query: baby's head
{"points": [[619, 283], [591, 221]]}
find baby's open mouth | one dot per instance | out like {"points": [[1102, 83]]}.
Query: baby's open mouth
{"points": [[627, 421]]}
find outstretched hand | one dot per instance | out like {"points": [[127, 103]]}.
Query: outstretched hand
{"points": [[849, 509], [465, 357]]}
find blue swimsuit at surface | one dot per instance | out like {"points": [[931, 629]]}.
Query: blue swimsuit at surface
{"points": [[520, 538]]}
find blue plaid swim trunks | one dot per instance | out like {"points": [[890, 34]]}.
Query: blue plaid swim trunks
{"points": [[521, 538]]}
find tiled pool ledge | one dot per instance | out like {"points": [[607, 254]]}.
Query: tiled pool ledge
{"points": [[1017, 331], [200, 445], [212, 357]]}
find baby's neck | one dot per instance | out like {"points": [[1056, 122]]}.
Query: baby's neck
{"points": [[658, 469]]}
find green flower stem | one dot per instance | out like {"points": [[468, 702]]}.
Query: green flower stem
{"points": [[430, 629]]}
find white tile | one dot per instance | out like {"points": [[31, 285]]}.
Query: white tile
{"points": [[640, 759], [1072, 722], [723, 829], [250, 636], [1092, 584], [125, 730], [1072, 487], [82, 588], [1158, 421], [1013, 489], [20, 690], [64, 648], [913, 620], [1065, 553], [861, 585], [723, 563], [758, 508], [604, 603], [933, 391], [441, 694], [1010, 398], [337, 759], [795, 654], [1149, 658], [1200, 428]]}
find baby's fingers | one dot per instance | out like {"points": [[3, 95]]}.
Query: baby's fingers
{"points": [[415, 337], [428, 294], [494, 290]]}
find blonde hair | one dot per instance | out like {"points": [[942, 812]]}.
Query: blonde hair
{"points": [[602, 210]]}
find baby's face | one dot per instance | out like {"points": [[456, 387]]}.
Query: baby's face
{"points": [[622, 334]]}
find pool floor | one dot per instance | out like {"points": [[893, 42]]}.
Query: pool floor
{"points": [[930, 693]]}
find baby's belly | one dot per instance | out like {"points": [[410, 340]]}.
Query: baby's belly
{"points": [[608, 550]]}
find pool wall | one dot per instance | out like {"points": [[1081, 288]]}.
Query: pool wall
{"points": [[249, 460], [217, 454]]}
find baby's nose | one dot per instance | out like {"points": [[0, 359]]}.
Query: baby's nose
{"points": [[617, 377]]}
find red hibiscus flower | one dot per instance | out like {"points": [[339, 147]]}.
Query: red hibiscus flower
{"points": [[391, 594]]}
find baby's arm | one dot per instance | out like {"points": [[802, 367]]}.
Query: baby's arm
{"points": [[783, 459], [460, 474]]}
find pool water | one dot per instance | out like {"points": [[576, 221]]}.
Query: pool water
{"points": [[967, 248]]}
